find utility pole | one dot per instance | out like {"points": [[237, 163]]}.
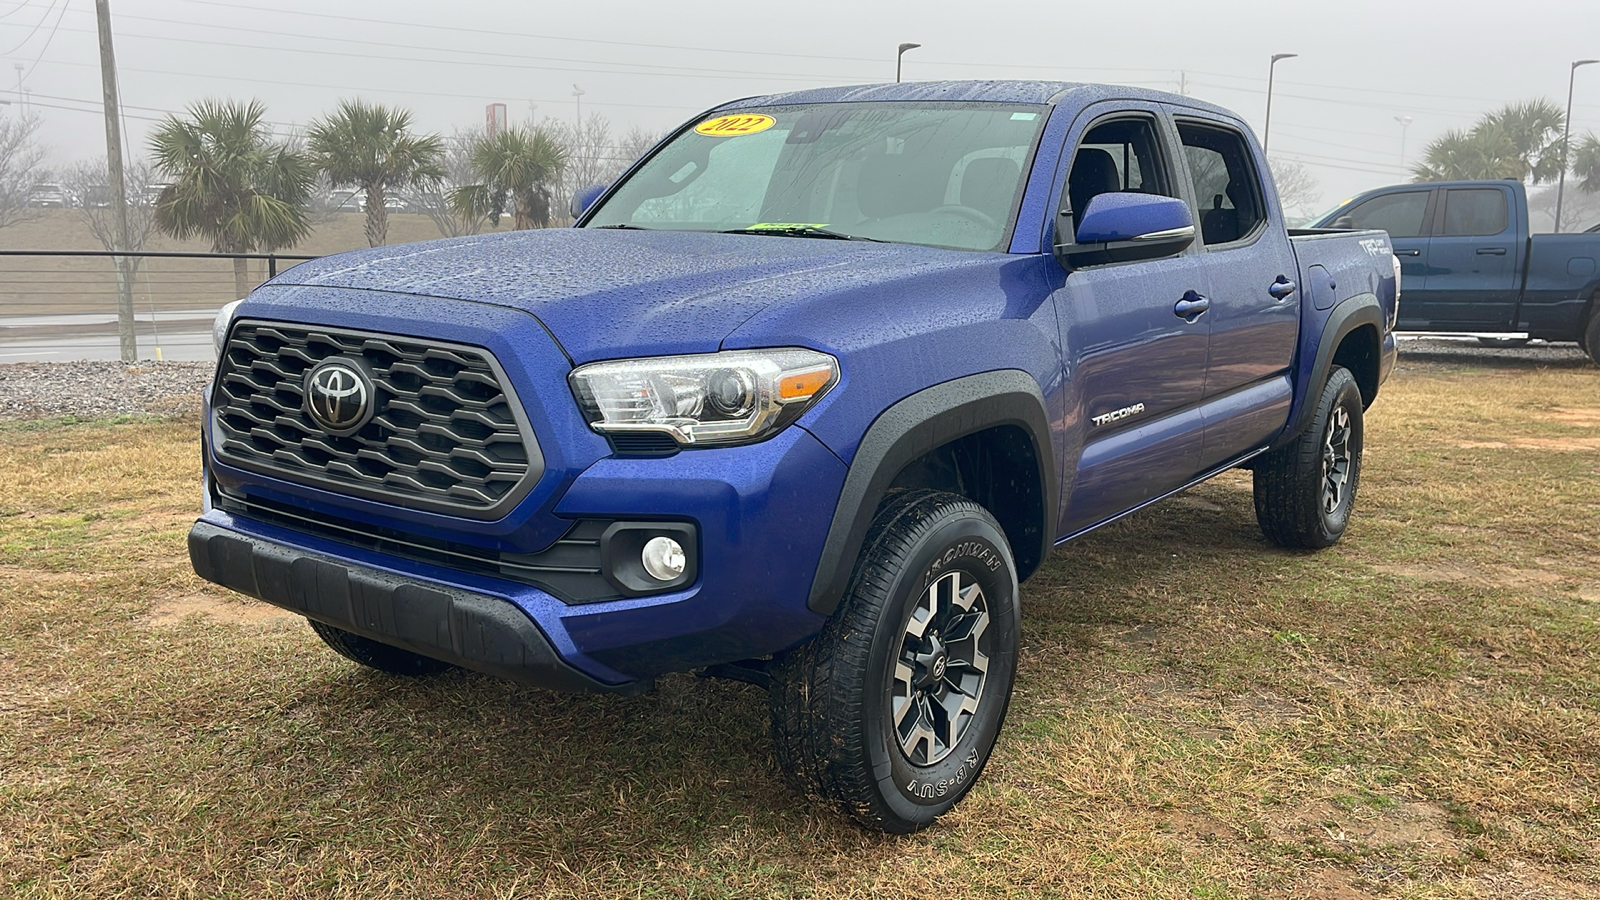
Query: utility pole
{"points": [[127, 341], [577, 97], [1183, 83], [1405, 122]]}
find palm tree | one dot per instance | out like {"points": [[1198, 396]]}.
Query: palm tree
{"points": [[368, 147], [1534, 128], [231, 182], [1482, 153], [1586, 163], [516, 164]]}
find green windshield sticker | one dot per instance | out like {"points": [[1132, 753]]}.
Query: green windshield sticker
{"points": [[786, 226]]}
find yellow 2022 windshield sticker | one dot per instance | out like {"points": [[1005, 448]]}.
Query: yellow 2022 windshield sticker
{"points": [[734, 126]]}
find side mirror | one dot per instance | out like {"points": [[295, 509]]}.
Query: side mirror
{"points": [[1344, 222], [1122, 227], [585, 198]]}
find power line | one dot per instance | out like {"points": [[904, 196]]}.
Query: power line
{"points": [[38, 25]]}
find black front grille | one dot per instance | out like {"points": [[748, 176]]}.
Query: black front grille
{"points": [[447, 432], [569, 569]]}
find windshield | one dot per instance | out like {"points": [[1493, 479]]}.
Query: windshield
{"points": [[943, 174]]}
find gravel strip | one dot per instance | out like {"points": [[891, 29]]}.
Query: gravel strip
{"points": [[97, 390]]}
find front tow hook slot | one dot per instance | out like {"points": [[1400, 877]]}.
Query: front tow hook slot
{"points": [[1191, 306]]}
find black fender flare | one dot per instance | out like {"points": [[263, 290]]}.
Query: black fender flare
{"points": [[911, 428], [1353, 313]]}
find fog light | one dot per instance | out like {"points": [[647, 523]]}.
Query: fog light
{"points": [[663, 558]]}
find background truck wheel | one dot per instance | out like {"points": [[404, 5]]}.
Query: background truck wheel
{"points": [[1591, 337], [1304, 492], [375, 654], [891, 712]]}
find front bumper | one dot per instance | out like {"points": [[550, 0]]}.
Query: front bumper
{"points": [[760, 514], [473, 630]]}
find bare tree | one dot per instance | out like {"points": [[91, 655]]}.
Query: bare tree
{"points": [[20, 160], [1579, 210], [88, 181], [635, 144], [433, 199], [1297, 188], [591, 157]]}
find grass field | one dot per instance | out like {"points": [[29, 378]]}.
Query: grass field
{"points": [[1413, 713], [58, 285]]}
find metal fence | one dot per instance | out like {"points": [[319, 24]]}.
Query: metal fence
{"points": [[63, 304]]}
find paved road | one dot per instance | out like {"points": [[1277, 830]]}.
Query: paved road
{"points": [[184, 335]]}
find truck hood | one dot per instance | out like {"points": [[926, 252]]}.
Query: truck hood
{"points": [[607, 294]]}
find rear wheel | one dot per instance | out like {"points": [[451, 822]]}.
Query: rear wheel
{"points": [[1304, 492], [376, 654], [891, 712]]}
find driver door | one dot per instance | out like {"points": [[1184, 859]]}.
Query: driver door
{"points": [[1135, 367]]}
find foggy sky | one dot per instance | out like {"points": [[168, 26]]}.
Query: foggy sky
{"points": [[653, 64]]}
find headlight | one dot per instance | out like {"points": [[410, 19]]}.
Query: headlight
{"points": [[219, 325], [735, 397]]}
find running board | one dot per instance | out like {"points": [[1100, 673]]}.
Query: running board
{"points": [[1464, 335]]}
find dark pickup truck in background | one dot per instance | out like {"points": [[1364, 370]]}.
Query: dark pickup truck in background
{"points": [[1471, 268]]}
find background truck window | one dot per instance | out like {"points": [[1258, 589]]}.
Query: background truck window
{"points": [[1474, 211], [1399, 214]]}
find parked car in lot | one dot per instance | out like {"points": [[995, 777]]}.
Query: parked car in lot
{"points": [[800, 400], [1471, 268], [49, 196]]}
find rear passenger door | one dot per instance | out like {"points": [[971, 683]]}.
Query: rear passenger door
{"points": [[1472, 260], [1255, 300]]}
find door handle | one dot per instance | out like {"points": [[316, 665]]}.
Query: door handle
{"points": [[1191, 306], [1281, 288], [1408, 253], [1491, 251]]}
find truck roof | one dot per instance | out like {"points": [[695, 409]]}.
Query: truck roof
{"points": [[1051, 92]]}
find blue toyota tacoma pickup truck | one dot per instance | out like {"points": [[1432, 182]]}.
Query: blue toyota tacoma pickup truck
{"points": [[800, 400], [1472, 269]]}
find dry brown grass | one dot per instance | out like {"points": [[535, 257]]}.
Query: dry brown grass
{"points": [[1413, 713], [51, 285]]}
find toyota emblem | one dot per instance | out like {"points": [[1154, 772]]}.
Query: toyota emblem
{"points": [[339, 397]]}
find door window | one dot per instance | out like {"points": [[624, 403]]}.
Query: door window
{"points": [[1120, 156], [1401, 215], [1474, 212], [1225, 182]]}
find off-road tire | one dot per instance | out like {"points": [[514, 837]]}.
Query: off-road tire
{"points": [[1303, 496], [376, 654], [834, 727], [1591, 337]]}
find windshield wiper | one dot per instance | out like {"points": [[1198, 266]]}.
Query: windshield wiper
{"points": [[624, 225], [812, 231]]}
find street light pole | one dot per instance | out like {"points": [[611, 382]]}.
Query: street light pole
{"points": [[1566, 136], [1266, 130], [900, 53], [1405, 121]]}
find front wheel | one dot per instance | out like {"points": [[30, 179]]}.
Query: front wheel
{"points": [[1305, 491], [891, 712]]}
